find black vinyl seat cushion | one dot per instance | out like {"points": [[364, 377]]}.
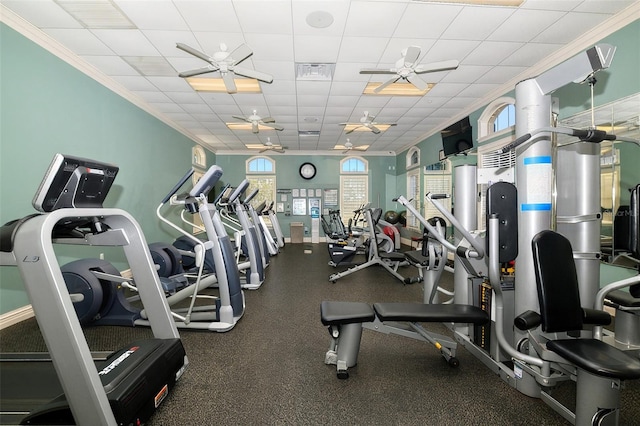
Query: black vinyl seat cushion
{"points": [[597, 357], [421, 312], [336, 313]]}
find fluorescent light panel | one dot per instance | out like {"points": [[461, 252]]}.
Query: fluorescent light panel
{"points": [[396, 89], [150, 65], [244, 85], [262, 146], [101, 14], [246, 126]]}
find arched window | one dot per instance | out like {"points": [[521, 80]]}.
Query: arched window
{"points": [[260, 165], [354, 165], [413, 158], [354, 185], [198, 157], [497, 116], [261, 174]]}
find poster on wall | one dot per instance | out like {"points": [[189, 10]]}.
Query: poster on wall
{"points": [[331, 198], [299, 206]]}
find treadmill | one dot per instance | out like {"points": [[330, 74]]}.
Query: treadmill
{"points": [[70, 385]]}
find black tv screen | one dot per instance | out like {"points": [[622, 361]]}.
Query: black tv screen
{"points": [[457, 138]]}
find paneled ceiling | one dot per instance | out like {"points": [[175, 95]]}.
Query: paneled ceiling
{"points": [[496, 46]]}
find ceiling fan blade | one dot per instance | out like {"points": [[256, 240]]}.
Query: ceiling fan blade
{"points": [[415, 79], [240, 53], [351, 130], [374, 129], [241, 118], [249, 73], [378, 71], [361, 147], [268, 120], [198, 71], [413, 53], [254, 127], [227, 78], [273, 126], [437, 66], [194, 52], [385, 84]]}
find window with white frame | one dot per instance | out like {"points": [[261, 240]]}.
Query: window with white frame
{"points": [[437, 180], [354, 186], [414, 196], [413, 158], [261, 174], [497, 117]]}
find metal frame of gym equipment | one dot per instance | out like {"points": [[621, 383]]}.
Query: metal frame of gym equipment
{"points": [[33, 253], [270, 241], [254, 271], [275, 224], [389, 261], [224, 314], [523, 368]]}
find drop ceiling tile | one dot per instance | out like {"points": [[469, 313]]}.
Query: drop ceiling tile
{"points": [[603, 6], [564, 5], [126, 42], [317, 111], [165, 42], [491, 52], [373, 19], [316, 49], [342, 112], [135, 83], [272, 17], [501, 74], [373, 101], [524, 25], [280, 100], [336, 9], [313, 88], [345, 71], [311, 100], [209, 15], [278, 111], [188, 98], [279, 70], [152, 14], [447, 89], [476, 23], [80, 41], [170, 84], [444, 50], [167, 107], [111, 65], [155, 96], [212, 42], [352, 49], [529, 54], [422, 20], [43, 14], [466, 74], [396, 46], [271, 47], [346, 88], [568, 28]]}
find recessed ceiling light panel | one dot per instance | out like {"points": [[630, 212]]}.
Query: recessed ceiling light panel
{"points": [[96, 14]]}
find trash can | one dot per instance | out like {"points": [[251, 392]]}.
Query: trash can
{"points": [[297, 232]]}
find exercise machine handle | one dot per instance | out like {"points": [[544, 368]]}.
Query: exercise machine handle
{"points": [[589, 135], [177, 186], [239, 190]]}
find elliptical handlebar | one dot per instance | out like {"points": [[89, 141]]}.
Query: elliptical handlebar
{"points": [[588, 135], [207, 182], [177, 186], [239, 191]]}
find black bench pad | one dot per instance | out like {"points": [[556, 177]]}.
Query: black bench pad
{"points": [[597, 357], [394, 256], [420, 312], [623, 298], [335, 313], [416, 257]]}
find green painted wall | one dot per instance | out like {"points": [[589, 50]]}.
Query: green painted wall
{"points": [[381, 178], [47, 106]]}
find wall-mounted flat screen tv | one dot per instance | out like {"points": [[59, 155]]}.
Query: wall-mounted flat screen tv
{"points": [[457, 138]]}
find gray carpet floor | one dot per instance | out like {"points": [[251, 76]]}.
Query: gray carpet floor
{"points": [[269, 370]]}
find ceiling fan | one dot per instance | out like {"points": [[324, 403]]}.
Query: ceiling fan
{"points": [[406, 68], [269, 146], [367, 122], [256, 121], [226, 63], [348, 146]]}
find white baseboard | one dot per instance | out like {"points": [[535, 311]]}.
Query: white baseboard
{"points": [[15, 316]]}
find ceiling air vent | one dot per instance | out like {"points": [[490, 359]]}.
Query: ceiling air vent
{"points": [[314, 72], [309, 133]]}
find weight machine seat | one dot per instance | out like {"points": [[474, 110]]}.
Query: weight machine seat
{"points": [[597, 357], [420, 312], [394, 256], [336, 313], [622, 299], [415, 257], [560, 311]]}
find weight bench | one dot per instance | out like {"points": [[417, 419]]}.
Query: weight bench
{"points": [[347, 319], [627, 324]]}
